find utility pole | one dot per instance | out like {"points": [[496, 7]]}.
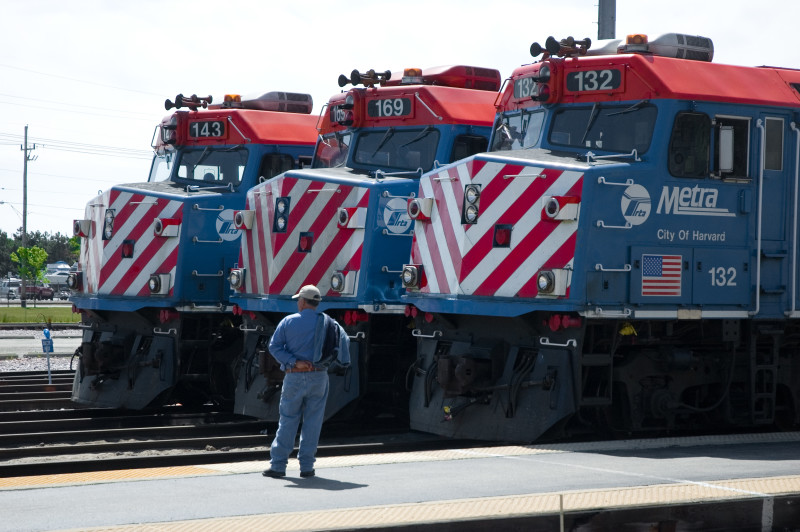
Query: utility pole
{"points": [[28, 157], [607, 19]]}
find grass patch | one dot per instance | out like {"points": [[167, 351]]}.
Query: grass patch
{"points": [[38, 315]]}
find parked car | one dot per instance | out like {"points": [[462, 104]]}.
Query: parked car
{"points": [[39, 290], [63, 294], [9, 289]]}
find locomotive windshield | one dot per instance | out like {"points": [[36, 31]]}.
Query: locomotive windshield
{"points": [[618, 128], [332, 150], [212, 166], [398, 149], [517, 130], [161, 169]]}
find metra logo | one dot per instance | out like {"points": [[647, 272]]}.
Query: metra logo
{"points": [[636, 204], [693, 201], [225, 228], [395, 216]]}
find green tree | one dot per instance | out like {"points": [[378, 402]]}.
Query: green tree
{"points": [[31, 262], [6, 249]]}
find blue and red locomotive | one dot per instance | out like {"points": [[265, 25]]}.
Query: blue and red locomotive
{"points": [[343, 226], [625, 257], [152, 284]]}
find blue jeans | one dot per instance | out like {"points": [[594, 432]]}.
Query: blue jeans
{"points": [[303, 398]]}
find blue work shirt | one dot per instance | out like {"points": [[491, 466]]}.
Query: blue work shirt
{"points": [[293, 338]]}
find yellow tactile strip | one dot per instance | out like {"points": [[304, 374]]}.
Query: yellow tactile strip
{"points": [[485, 508], [95, 477]]}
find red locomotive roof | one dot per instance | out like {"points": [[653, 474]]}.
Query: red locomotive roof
{"points": [[645, 76], [424, 105], [249, 126]]}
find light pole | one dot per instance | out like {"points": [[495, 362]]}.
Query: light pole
{"points": [[23, 289]]}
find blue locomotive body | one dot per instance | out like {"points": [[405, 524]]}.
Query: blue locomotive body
{"points": [[625, 259], [343, 226], [152, 286]]}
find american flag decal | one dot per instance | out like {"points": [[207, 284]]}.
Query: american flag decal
{"points": [[661, 275]]}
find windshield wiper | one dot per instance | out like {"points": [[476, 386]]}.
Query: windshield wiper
{"points": [[634, 107], [389, 133], [201, 159], [592, 118], [422, 134]]}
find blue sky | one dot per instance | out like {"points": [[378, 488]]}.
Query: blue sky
{"points": [[89, 78]]}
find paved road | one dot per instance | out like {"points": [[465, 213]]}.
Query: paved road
{"points": [[64, 342]]}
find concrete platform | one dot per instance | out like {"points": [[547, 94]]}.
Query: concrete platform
{"points": [[744, 482]]}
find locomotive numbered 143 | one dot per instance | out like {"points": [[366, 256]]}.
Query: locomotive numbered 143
{"points": [[152, 284]]}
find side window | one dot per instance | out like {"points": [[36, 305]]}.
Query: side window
{"points": [[732, 161], [466, 145], [274, 164], [773, 153], [689, 145]]}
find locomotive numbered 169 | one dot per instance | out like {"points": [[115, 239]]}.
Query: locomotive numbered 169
{"points": [[624, 259], [343, 225]]}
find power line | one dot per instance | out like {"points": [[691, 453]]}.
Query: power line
{"points": [[60, 176], [77, 80], [106, 115], [81, 147], [92, 107]]}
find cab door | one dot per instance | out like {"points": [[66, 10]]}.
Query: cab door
{"points": [[773, 192]]}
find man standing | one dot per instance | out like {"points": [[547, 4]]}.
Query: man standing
{"points": [[297, 344]]}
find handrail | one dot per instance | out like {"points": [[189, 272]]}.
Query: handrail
{"points": [[794, 223], [417, 333], [759, 125]]}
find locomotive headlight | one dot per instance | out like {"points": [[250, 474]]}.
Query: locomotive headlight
{"points": [[412, 276], [553, 282], [337, 282], [551, 207], [560, 208], [166, 227], [472, 196], [546, 281], [168, 131], [281, 205], [420, 209], [108, 225], [74, 280], [544, 74], [243, 219], [344, 216], [351, 217], [472, 193], [344, 282], [81, 228], [471, 215], [346, 118], [349, 102], [236, 278], [279, 222], [159, 283]]}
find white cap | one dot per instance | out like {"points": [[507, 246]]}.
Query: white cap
{"points": [[309, 291]]}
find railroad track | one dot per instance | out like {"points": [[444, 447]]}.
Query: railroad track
{"points": [[72, 441], [35, 390], [394, 444]]}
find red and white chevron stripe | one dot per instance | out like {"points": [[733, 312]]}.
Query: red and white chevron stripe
{"points": [[460, 260], [104, 269], [273, 264]]}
